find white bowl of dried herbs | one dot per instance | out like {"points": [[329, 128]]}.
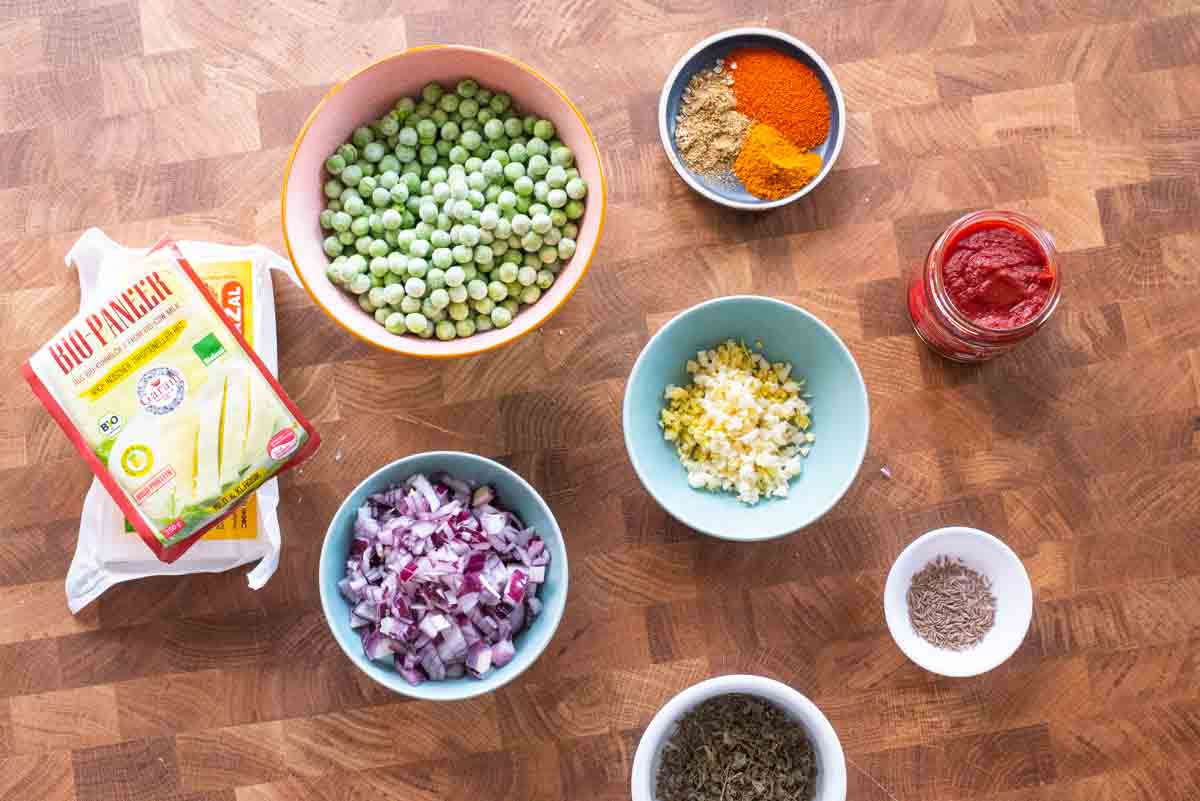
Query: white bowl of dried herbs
{"points": [[958, 601], [739, 738]]}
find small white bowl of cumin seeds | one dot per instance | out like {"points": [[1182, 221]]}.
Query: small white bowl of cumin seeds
{"points": [[964, 590]]}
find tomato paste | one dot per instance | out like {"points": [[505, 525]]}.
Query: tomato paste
{"points": [[996, 276], [990, 281]]}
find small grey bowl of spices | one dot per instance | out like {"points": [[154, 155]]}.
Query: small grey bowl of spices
{"points": [[739, 738], [958, 601], [752, 118]]}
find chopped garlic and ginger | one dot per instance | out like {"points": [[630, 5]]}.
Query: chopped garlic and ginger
{"points": [[741, 426]]}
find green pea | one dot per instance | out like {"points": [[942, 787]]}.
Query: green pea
{"points": [[562, 157], [506, 273], [452, 276], [335, 164], [416, 322], [576, 189], [500, 102], [556, 177], [414, 287], [501, 317], [389, 163], [477, 289], [493, 129], [374, 151], [574, 209], [530, 295], [427, 131], [537, 167], [432, 92], [395, 323]]}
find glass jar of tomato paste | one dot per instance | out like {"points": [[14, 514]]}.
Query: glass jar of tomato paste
{"points": [[990, 281]]}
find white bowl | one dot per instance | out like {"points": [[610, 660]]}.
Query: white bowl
{"points": [[831, 763], [982, 553]]}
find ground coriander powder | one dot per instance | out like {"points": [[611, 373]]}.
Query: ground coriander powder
{"points": [[709, 130]]}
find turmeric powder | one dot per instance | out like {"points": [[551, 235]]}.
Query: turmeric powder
{"points": [[771, 167]]}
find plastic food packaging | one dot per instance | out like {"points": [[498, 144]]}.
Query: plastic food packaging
{"points": [[245, 529]]}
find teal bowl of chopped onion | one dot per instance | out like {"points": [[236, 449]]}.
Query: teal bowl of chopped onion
{"points": [[768, 406], [443, 575]]}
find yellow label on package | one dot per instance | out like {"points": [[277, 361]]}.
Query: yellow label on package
{"points": [[157, 387]]}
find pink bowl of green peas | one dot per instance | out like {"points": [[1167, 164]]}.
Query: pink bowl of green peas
{"points": [[443, 201]]}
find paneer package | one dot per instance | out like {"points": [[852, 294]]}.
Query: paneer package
{"points": [[165, 383]]}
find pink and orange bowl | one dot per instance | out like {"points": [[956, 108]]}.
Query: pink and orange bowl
{"points": [[366, 95]]}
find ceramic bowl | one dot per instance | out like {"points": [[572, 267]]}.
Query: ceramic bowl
{"points": [[840, 414], [705, 55], [831, 762], [515, 494], [368, 94], [981, 552]]}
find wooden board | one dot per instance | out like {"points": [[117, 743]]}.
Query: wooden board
{"points": [[1080, 450]]}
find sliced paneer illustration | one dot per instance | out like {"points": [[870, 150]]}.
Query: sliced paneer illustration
{"points": [[234, 424], [210, 405], [263, 409], [180, 448]]}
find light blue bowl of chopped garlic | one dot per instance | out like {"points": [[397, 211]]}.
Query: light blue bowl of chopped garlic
{"points": [[774, 449]]}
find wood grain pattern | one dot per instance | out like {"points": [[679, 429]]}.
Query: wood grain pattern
{"points": [[1082, 449]]}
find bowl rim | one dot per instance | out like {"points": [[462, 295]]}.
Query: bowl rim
{"points": [[797, 705], [699, 524], [341, 84], [893, 589], [479, 687], [686, 174]]}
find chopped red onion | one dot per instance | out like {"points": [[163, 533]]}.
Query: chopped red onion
{"points": [[441, 579]]}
